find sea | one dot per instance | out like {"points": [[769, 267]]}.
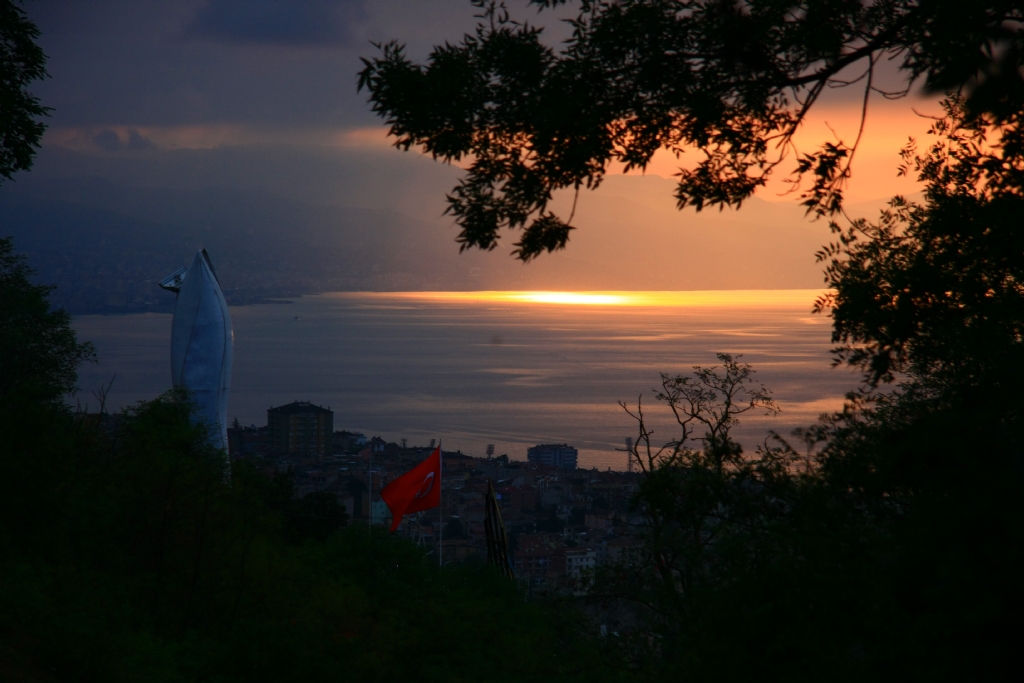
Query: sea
{"points": [[510, 369]]}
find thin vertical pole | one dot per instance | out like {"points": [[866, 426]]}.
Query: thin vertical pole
{"points": [[369, 492], [440, 507]]}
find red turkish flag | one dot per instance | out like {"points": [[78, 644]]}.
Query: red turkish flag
{"points": [[418, 489]]}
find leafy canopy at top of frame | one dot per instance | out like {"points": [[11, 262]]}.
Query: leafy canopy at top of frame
{"points": [[733, 80]]}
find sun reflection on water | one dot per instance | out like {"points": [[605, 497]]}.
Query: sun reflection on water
{"points": [[715, 298], [584, 298]]}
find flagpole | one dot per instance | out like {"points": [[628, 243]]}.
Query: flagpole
{"points": [[369, 493], [440, 503]]}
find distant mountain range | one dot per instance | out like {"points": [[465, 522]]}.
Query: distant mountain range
{"points": [[106, 247], [105, 244]]}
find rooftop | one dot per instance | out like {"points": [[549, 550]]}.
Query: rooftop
{"points": [[299, 407]]}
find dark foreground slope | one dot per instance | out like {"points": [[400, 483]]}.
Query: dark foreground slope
{"points": [[129, 553]]}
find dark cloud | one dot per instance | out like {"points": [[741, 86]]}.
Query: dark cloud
{"points": [[107, 140], [138, 143], [278, 22], [146, 63], [110, 141]]}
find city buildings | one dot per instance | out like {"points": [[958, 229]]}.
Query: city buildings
{"points": [[348, 442], [579, 560], [560, 455], [301, 428], [562, 522]]}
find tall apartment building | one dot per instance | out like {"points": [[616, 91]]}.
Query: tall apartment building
{"points": [[302, 428], [558, 454]]}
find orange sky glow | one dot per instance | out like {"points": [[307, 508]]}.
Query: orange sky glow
{"points": [[888, 127]]}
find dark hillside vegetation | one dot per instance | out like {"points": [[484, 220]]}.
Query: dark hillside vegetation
{"points": [[886, 542], [128, 553]]}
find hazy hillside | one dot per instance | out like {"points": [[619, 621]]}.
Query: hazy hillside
{"points": [[105, 242], [104, 259]]}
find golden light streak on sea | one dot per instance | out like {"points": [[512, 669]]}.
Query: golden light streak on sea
{"points": [[715, 298]]}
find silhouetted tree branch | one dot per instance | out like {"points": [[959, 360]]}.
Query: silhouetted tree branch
{"points": [[21, 62], [730, 81]]}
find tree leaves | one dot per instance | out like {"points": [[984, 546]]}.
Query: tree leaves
{"points": [[730, 81], [39, 353], [21, 62], [934, 290]]}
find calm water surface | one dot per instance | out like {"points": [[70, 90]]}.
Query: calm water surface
{"points": [[512, 369]]}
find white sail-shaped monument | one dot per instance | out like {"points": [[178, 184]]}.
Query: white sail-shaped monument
{"points": [[201, 343]]}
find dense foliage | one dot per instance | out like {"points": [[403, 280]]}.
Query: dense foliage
{"points": [[889, 547], [39, 355], [728, 81], [937, 289], [21, 62]]}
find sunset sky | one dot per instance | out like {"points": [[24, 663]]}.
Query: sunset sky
{"points": [[262, 95]]}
